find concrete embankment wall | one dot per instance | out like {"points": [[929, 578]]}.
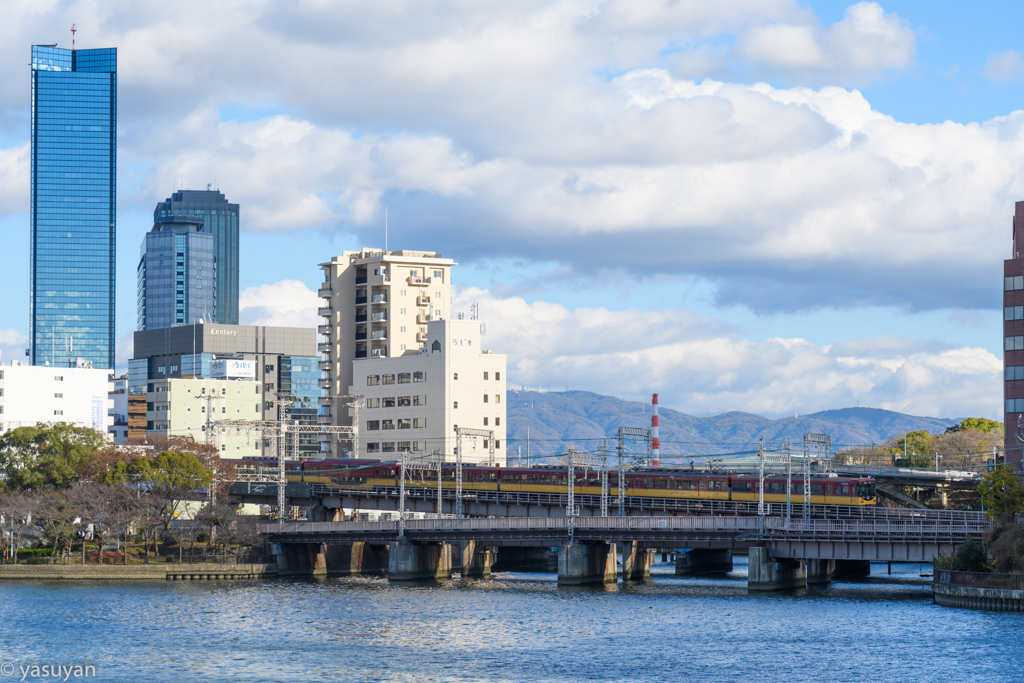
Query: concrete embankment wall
{"points": [[999, 599], [147, 572]]}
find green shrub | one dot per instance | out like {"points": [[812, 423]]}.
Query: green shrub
{"points": [[202, 537], [169, 540]]}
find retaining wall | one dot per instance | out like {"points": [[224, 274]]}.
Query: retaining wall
{"points": [[147, 572], [999, 599]]}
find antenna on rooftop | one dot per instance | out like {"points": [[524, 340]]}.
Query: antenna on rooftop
{"points": [[73, 30], [385, 229]]}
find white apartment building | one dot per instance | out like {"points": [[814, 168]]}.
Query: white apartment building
{"points": [[413, 402], [30, 394], [178, 407], [377, 306]]}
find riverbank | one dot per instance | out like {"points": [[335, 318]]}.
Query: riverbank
{"points": [[136, 572], [979, 590]]}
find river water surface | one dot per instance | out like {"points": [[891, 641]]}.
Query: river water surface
{"points": [[512, 627]]}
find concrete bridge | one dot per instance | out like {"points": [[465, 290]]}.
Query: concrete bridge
{"points": [[784, 553]]}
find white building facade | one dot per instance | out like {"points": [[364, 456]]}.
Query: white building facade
{"points": [[118, 410], [377, 306], [31, 394], [414, 402]]}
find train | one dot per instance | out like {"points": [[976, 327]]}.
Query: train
{"points": [[650, 483]]}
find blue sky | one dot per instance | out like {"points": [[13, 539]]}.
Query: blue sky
{"points": [[767, 206]]}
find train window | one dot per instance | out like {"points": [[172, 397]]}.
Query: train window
{"points": [[491, 476], [689, 485], [741, 486], [815, 489], [844, 490], [716, 485], [703, 485], [510, 478]]}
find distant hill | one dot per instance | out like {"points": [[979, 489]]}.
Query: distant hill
{"points": [[555, 419]]}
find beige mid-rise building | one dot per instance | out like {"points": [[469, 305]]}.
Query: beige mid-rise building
{"points": [[376, 306], [414, 402]]}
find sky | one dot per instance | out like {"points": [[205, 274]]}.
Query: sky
{"points": [[771, 206]]}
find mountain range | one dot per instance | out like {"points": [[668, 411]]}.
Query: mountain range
{"points": [[553, 420]]}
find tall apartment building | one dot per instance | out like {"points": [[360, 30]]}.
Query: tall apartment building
{"points": [[266, 360], [33, 394], [72, 211], [220, 219], [377, 306], [176, 274], [1013, 340], [414, 402]]}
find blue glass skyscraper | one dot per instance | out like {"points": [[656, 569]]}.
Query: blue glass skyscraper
{"points": [[176, 275], [73, 206], [220, 219]]}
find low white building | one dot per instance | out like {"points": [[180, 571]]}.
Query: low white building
{"points": [[30, 394], [414, 402]]}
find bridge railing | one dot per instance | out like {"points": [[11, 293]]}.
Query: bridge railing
{"points": [[979, 579]]}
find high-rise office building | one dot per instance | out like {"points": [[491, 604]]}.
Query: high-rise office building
{"points": [[73, 206], [378, 304], [220, 219], [1013, 340], [176, 275]]}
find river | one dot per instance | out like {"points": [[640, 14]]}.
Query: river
{"points": [[512, 627]]}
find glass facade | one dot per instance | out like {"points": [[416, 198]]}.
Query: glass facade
{"points": [[73, 206], [176, 275], [298, 375], [220, 219]]}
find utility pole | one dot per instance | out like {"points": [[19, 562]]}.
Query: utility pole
{"points": [[760, 488]]}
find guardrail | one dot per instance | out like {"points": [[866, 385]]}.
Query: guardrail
{"points": [[979, 579], [774, 527]]}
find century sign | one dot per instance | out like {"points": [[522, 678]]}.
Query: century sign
{"points": [[233, 368], [230, 333]]}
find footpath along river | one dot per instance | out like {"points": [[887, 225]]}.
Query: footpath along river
{"points": [[512, 627]]}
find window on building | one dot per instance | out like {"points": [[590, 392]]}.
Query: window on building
{"points": [[404, 401], [497, 398], [455, 375], [372, 425], [388, 402], [1014, 372], [257, 407], [373, 403], [418, 446], [405, 446], [456, 405], [419, 376], [438, 273], [224, 409], [485, 443], [485, 374], [257, 389], [58, 412], [497, 422], [486, 398], [268, 368], [497, 443], [419, 423], [402, 328], [497, 375], [404, 377], [404, 423], [422, 400], [372, 380], [1014, 283], [58, 395], [485, 422], [373, 447], [387, 424], [1013, 313], [387, 379], [1014, 343], [387, 447]]}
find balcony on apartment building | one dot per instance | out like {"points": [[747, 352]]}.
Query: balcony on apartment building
{"points": [[325, 291], [419, 280], [325, 311], [421, 337], [360, 353], [379, 353], [324, 366], [379, 317], [379, 335], [361, 279], [379, 298], [360, 300], [324, 383], [361, 334], [325, 330], [422, 300], [325, 400], [324, 347], [422, 318], [361, 316]]}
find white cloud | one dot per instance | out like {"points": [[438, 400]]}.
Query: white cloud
{"points": [[288, 303], [1005, 66], [695, 363], [12, 346]]}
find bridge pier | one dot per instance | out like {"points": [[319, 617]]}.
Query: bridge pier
{"points": [[475, 560], [581, 564], [636, 561], [851, 569], [819, 571], [699, 561], [351, 559], [419, 561], [768, 574]]}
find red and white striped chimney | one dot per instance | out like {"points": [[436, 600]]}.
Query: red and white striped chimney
{"points": [[655, 441]]}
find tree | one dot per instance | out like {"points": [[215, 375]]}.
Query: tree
{"points": [[977, 424], [46, 456], [1002, 493], [917, 443], [170, 478]]}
